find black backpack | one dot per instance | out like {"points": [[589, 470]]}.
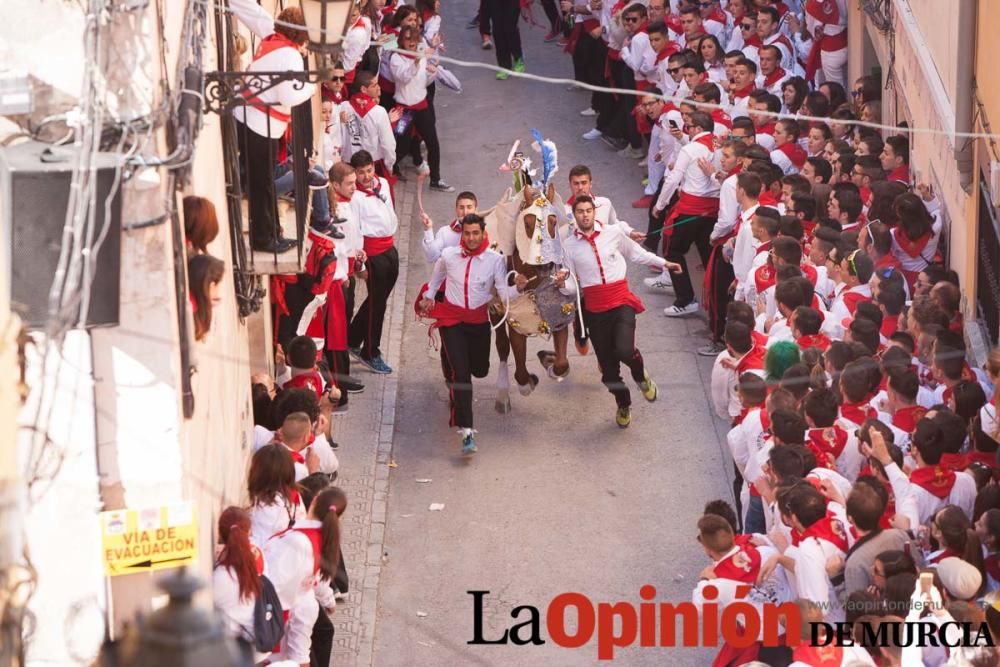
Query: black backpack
{"points": [[268, 618]]}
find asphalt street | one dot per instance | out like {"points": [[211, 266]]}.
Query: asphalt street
{"points": [[558, 498]]}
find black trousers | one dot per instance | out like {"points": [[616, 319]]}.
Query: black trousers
{"points": [[365, 331], [612, 115], [296, 298], [505, 15], [257, 157], [588, 64], [719, 280], [688, 230], [484, 18], [465, 353], [613, 335], [322, 641], [423, 121], [654, 226], [552, 13]]}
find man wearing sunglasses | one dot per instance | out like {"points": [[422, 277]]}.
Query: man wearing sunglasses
{"points": [[855, 270]]}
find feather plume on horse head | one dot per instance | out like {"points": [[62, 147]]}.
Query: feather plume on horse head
{"points": [[550, 156]]}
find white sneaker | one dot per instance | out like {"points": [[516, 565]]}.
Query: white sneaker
{"points": [[590, 135], [660, 282], [588, 112], [675, 311]]}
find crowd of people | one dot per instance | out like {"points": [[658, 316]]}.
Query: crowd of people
{"points": [[864, 445]]}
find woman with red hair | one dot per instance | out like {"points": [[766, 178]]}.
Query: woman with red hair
{"points": [[236, 577]]}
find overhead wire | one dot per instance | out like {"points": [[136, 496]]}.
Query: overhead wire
{"points": [[561, 81]]}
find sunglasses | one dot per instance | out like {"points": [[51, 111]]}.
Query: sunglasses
{"points": [[747, 26], [631, 19], [337, 78], [705, 5], [673, 70], [855, 93]]}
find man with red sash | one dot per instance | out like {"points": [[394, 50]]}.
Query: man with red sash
{"points": [[826, 21], [377, 216], [596, 257], [262, 120], [693, 217], [468, 273], [291, 294]]}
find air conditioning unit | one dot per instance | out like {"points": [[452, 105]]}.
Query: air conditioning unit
{"points": [[34, 194]]}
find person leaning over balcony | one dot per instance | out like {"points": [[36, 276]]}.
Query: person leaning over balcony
{"points": [[264, 116], [201, 225], [204, 275]]}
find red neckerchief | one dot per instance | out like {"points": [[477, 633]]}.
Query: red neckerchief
{"points": [[722, 118], [809, 271], [764, 278], [644, 28], [754, 41], [857, 413], [763, 247], [890, 324], [774, 77], [852, 299], [273, 42], [818, 656], [456, 225], [752, 360], [952, 461], [717, 15], [707, 139], [744, 91], [900, 173], [342, 199], [478, 251], [735, 170], [887, 261], [913, 248], [765, 421], [362, 104], [796, 155], [669, 49], [296, 456], [905, 419], [766, 128], [822, 341], [375, 191], [767, 199], [826, 444], [934, 479], [828, 528], [824, 11], [426, 15], [742, 565]]}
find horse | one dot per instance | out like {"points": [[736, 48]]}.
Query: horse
{"points": [[513, 228]]}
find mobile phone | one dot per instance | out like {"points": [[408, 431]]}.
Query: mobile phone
{"points": [[926, 582], [673, 124]]}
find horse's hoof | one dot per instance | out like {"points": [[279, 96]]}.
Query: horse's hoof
{"points": [[546, 358], [526, 389], [503, 406], [551, 370]]}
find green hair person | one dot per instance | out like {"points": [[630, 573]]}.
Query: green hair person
{"points": [[780, 357]]}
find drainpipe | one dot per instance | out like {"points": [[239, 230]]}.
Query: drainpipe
{"points": [[964, 85]]}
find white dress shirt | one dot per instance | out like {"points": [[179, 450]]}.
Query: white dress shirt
{"points": [[371, 132], [281, 97], [469, 281], [274, 517], [347, 248], [640, 58], [410, 75], [355, 43], [729, 209], [687, 175], [435, 242], [602, 256], [743, 249], [376, 211]]}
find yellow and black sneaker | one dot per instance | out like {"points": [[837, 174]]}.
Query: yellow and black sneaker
{"points": [[623, 417], [648, 388]]}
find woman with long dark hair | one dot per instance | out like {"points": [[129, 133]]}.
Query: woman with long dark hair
{"points": [[201, 225], [204, 275], [915, 240], [236, 577], [793, 93], [275, 503]]}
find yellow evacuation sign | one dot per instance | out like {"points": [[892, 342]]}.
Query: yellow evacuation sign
{"points": [[148, 539]]}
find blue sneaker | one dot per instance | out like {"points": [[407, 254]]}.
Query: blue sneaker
{"points": [[377, 365], [469, 442]]}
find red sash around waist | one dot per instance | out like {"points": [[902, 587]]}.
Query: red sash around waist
{"points": [[376, 245], [607, 296]]}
